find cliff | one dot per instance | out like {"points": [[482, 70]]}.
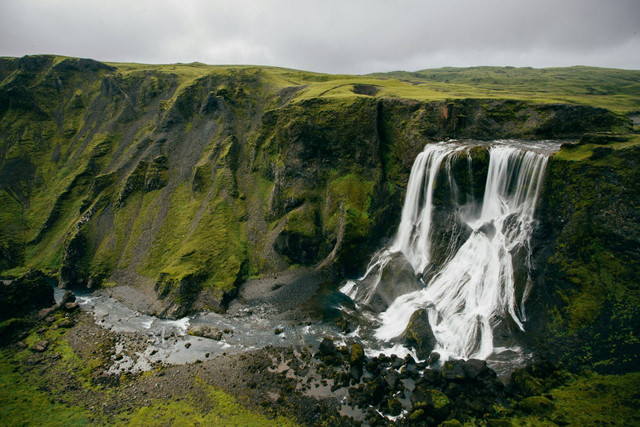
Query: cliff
{"points": [[584, 309], [189, 179]]}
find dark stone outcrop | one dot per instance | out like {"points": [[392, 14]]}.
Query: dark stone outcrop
{"points": [[419, 334], [433, 402], [586, 260], [27, 293]]}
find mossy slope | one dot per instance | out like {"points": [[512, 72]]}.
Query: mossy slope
{"points": [[191, 178], [590, 264]]}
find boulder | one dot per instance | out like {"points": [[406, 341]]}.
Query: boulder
{"points": [[67, 297], [374, 391], [410, 371], [453, 370], [66, 323], [433, 358], [356, 355], [394, 407], [355, 372], [397, 278], [433, 402], [327, 347], [474, 367], [206, 331], [392, 379], [70, 306], [419, 334]]}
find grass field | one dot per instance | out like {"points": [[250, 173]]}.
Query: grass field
{"points": [[614, 89]]}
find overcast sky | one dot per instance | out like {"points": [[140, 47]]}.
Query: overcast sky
{"points": [[336, 36]]}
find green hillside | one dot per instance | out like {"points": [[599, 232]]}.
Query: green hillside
{"points": [[188, 179], [614, 89]]}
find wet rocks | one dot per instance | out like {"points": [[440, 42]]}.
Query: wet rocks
{"points": [[460, 389], [70, 307], [356, 355], [433, 358], [356, 361], [206, 331], [67, 298], [433, 402], [394, 407], [419, 334], [474, 367], [327, 347], [453, 370]]}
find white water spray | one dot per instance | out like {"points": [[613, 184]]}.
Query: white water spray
{"points": [[475, 289]]}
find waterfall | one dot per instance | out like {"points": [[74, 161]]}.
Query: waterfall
{"points": [[474, 289]]}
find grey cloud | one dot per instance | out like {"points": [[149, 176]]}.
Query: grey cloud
{"points": [[333, 36]]}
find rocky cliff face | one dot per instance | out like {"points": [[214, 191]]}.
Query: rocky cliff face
{"points": [[585, 302], [190, 179]]}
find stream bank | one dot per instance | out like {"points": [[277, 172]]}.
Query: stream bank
{"points": [[71, 379]]}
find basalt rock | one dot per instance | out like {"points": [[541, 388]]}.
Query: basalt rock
{"points": [[67, 297], [433, 402], [21, 296], [356, 355], [327, 347], [474, 367], [419, 334], [453, 370]]}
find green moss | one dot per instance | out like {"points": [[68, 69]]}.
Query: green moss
{"points": [[211, 250], [202, 177], [350, 196], [302, 221], [222, 409], [584, 151], [588, 399], [535, 405], [593, 269], [23, 404]]}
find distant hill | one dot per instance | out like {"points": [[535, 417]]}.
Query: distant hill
{"points": [[618, 90]]}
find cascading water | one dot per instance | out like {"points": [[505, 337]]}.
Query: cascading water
{"points": [[474, 289]]}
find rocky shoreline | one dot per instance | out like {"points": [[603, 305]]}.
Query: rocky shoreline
{"points": [[71, 358]]}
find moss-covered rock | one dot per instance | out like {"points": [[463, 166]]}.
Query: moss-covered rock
{"points": [[356, 355], [26, 293], [535, 405], [585, 302], [524, 384], [419, 334], [434, 403]]}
